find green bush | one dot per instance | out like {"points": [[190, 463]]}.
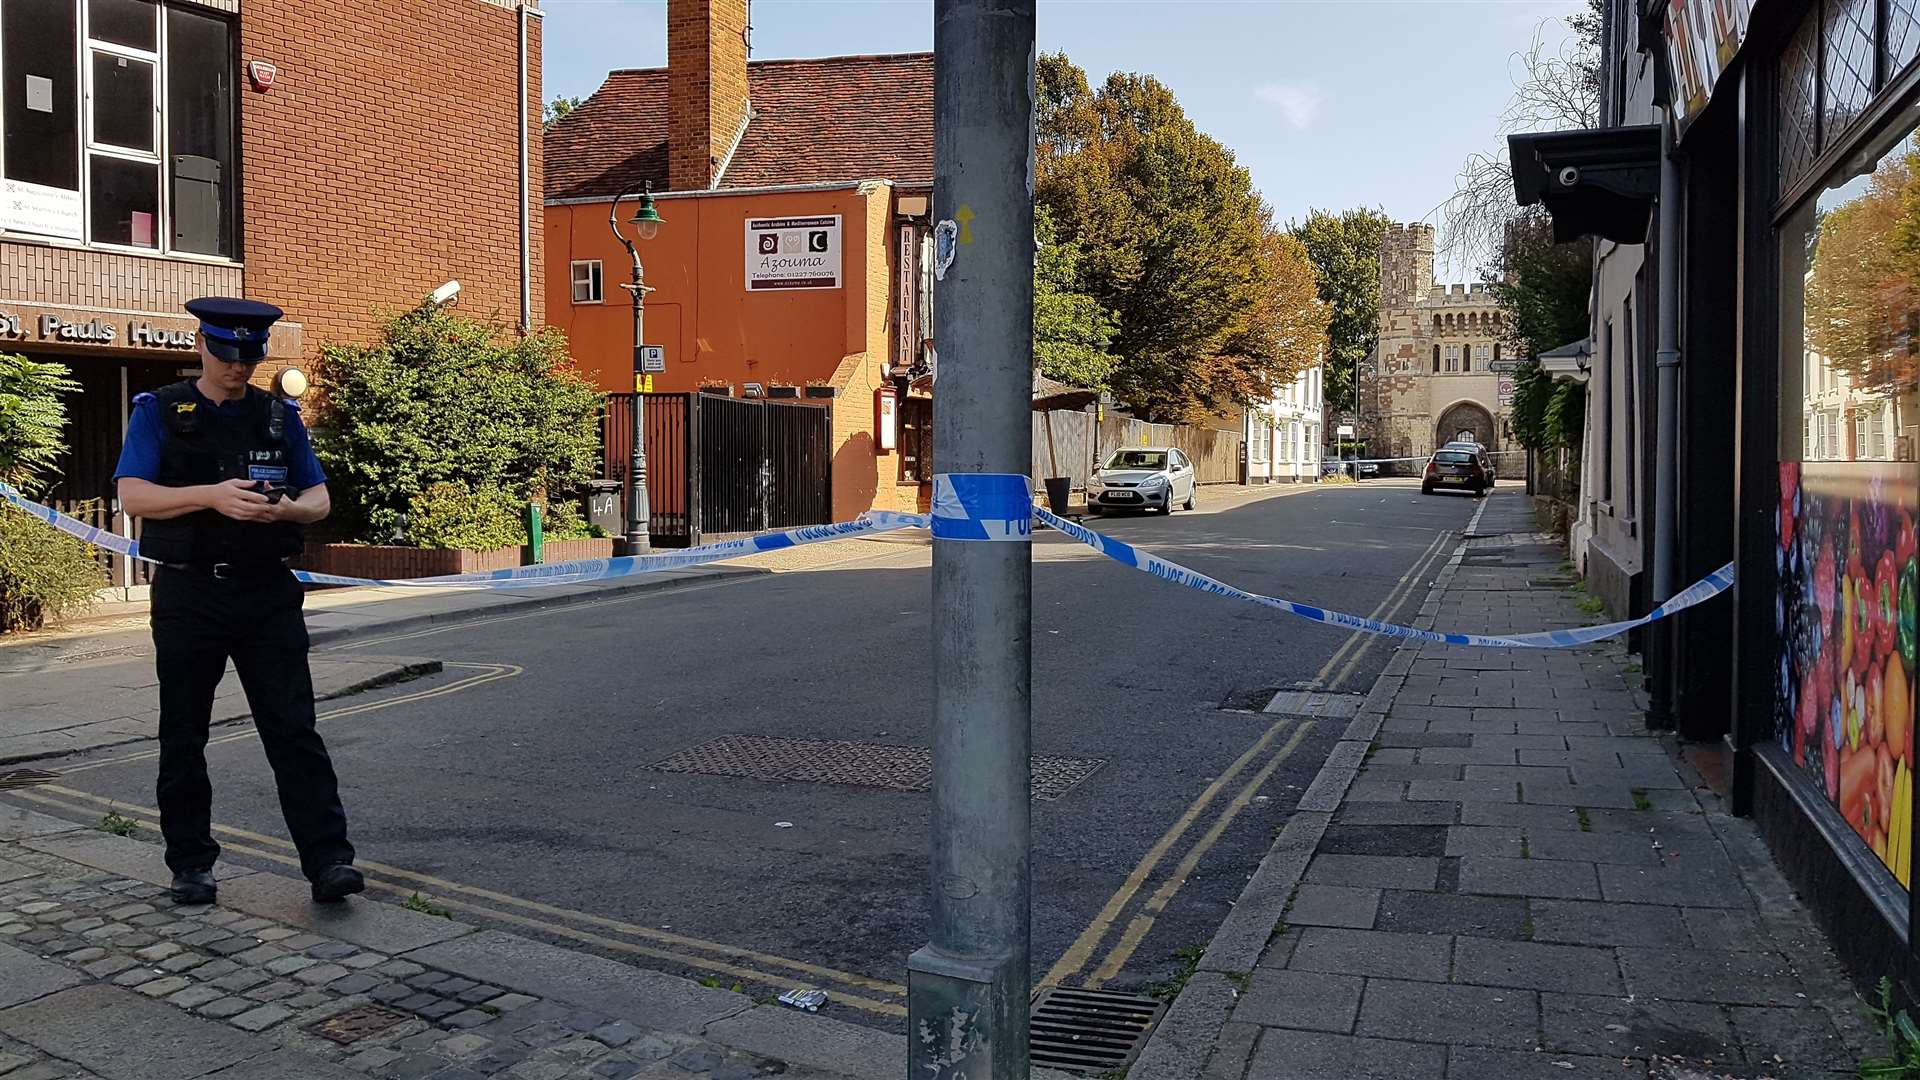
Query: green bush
{"points": [[445, 400], [44, 575], [450, 515]]}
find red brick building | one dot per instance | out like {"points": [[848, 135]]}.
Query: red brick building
{"points": [[339, 159]]}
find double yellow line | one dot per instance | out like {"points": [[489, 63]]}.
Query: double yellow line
{"points": [[875, 996], [1081, 953]]}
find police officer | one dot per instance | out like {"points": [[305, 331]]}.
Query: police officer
{"points": [[224, 477]]}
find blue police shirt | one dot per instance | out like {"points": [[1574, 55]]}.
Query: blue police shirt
{"points": [[140, 453]]}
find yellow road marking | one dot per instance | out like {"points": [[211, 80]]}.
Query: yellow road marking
{"points": [[1143, 921], [488, 673], [1354, 661], [883, 1008], [1077, 956], [443, 886]]}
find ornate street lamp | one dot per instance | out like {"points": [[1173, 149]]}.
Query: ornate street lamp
{"points": [[646, 224]]}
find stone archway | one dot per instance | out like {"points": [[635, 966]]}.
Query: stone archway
{"points": [[1465, 419]]}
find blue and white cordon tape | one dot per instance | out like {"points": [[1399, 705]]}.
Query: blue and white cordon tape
{"points": [[973, 507]]}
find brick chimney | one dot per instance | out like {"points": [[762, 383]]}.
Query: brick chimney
{"points": [[706, 87]]}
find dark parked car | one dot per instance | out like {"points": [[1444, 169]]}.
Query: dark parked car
{"points": [[1458, 468]]}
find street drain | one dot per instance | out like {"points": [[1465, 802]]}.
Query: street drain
{"points": [[881, 765], [1318, 704], [20, 778], [1088, 1032], [357, 1023]]}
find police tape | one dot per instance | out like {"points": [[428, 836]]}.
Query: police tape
{"points": [[967, 507], [521, 577]]}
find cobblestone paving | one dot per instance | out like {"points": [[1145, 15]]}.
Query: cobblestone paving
{"points": [[280, 983]]}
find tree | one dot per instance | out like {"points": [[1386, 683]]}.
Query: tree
{"points": [[1173, 240], [1071, 331], [1345, 252], [1553, 90], [1864, 284], [33, 419], [558, 108], [1532, 392], [1541, 287]]}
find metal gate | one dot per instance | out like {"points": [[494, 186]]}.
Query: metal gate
{"points": [[671, 519], [723, 465], [762, 465]]}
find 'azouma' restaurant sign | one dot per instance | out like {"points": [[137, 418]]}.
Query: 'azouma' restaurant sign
{"points": [[132, 333], [1702, 38]]}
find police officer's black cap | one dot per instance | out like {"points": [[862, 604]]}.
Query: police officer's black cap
{"points": [[235, 329]]}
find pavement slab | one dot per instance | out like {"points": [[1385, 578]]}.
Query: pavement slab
{"points": [[1580, 917]]}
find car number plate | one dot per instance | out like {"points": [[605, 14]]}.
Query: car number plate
{"points": [[1121, 495]]}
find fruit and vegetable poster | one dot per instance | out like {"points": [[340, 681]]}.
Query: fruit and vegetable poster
{"points": [[1846, 614]]}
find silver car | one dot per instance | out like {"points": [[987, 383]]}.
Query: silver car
{"points": [[1143, 478]]}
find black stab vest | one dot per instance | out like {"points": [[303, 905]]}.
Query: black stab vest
{"points": [[205, 445]]}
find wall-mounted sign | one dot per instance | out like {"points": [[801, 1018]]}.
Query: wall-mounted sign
{"points": [[653, 358], [40, 210], [793, 253], [886, 424], [1702, 38], [906, 276], [95, 330]]}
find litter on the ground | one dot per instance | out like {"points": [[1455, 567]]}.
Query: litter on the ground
{"points": [[804, 998]]}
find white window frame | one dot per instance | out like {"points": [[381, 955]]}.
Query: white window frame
{"points": [[596, 281], [1450, 359], [92, 147]]}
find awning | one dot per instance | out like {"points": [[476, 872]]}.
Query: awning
{"points": [[1569, 361], [1595, 182]]}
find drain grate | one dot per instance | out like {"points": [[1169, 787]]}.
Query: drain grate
{"points": [[881, 765], [355, 1024], [1319, 704], [20, 778], [1088, 1032]]}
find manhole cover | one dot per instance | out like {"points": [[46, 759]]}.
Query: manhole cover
{"points": [[881, 765], [1089, 1032], [358, 1023], [1319, 704], [19, 778]]}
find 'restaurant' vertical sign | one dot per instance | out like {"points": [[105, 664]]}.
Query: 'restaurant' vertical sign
{"points": [[793, 253]]}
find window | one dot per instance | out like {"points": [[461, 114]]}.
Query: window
{"points": [[1483, 355], [1451, 354], [1496, 352], [586, 281], [1630, 375], [1436, 356], [118, 124], [1603, 385]]}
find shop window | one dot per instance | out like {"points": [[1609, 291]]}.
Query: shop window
{"points": [[118, 124], [1798, 106], [1846, 526], [1903, 34], [916, 441], [587, 286]]}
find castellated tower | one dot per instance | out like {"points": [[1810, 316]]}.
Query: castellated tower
{"points": [[1436, 368]]}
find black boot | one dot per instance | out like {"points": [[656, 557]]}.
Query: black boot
{"points": [[337, 882], [193, 887]]}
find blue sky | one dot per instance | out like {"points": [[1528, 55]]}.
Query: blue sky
{"points": [[1330, 103]]}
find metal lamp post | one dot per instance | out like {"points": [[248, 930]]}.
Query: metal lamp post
{"points": [[646, 224]]}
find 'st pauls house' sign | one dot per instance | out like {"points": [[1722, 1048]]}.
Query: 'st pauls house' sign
{"points": [[130, 333]]}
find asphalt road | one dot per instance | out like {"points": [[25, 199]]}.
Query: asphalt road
{"points": [[518, 787]]}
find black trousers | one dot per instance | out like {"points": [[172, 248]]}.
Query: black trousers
{"points": [[199, 622]]}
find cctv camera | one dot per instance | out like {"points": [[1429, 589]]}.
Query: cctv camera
{"points": [[445, 294], [1569, 176]]}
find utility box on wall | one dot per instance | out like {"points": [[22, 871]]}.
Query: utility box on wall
{"points": [[886, 413]]}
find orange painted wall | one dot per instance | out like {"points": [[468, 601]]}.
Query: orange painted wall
{"points": [[713, 329]]}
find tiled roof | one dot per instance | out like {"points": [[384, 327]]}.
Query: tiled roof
{"points": [[840, 118]]}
